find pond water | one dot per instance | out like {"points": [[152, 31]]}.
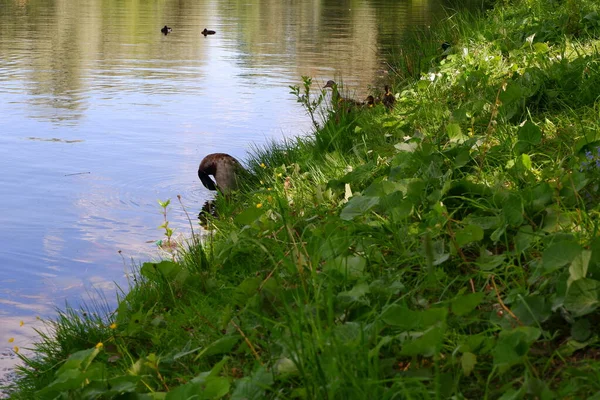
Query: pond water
{"points": [[101, 115]]}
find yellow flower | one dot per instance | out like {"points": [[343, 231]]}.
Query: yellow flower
{"points": [[269, 189], [259, 205], [263, 165], [12, 339], [279, 175], [113, 326], [16, 349], [21, 323], [99, 345]]}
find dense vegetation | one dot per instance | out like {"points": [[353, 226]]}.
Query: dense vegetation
{"points": [[448, 248]]}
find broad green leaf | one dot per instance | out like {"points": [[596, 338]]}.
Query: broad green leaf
{"points": [[512, 94], [559, 254], [220, 346], [579, 267], [248, 216], [465, 304], [513, 345], [285, 366], [246, 289], [407, 147], [358, 291], [541, 47], [407, 320], [212, 388], [582, 296], [349, 333], [525, 161], [462, 158], [572, 345], [360, 174], [524, 239], [122, 384], [163, 270], [468, 361], [489, 262], [581, 330], [538, 196], [498, 233], [435, 251], [358, 205], [351, 267], [253, 387], [455, 133], [532, 310], [491, 222], [427, 344], [513, 210], [594, 267], [529, 135], [469, 234], [79, 360]]}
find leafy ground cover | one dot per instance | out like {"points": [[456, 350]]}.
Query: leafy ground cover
{"points": [[449, 248]]}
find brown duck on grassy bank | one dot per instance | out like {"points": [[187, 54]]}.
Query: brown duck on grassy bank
{"points": [[337, 100], [224, 168]]}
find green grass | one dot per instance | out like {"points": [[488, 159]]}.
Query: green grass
{"points": [[447, 249]]}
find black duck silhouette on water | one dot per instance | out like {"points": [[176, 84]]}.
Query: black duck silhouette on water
{"points": [[166, 30], [208, 32]]}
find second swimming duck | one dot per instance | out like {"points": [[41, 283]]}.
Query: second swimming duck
{"points": [[208, 32]]}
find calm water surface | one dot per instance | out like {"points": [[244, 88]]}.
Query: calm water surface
{"points": [[101, 115]]}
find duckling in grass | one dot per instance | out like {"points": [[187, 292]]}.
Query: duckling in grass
{"points": [[226, 170], [446, 50], [208, 32], [371, 101], [388, 98], [166, 30]]}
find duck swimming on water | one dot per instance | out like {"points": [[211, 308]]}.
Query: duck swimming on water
{"points": [[208, 32], [166, 30], [224, 168]]}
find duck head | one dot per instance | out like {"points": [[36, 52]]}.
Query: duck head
{"points": [[330, 84], [224, 168]]}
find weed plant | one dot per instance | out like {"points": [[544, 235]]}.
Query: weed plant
{"points": [[449, 248]]}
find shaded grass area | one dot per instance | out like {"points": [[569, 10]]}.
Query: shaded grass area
{"points": [[448, 248]]}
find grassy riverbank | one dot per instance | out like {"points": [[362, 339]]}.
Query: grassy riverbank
{"points": [[450, 247]]}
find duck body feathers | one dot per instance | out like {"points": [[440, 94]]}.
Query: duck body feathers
{"points": [[224, 168]]}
